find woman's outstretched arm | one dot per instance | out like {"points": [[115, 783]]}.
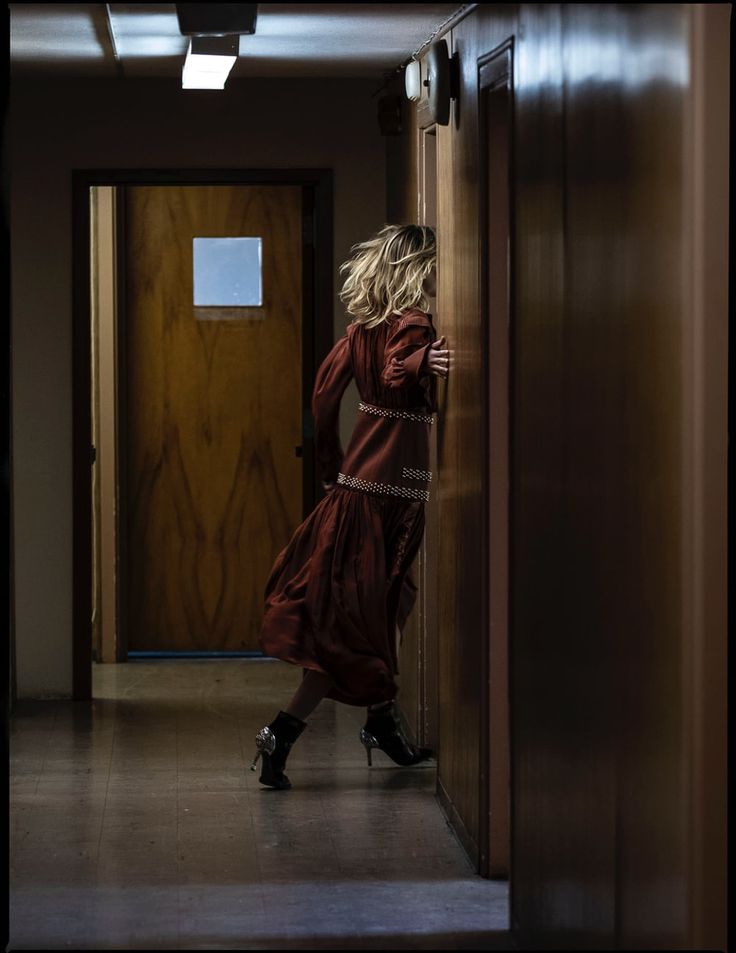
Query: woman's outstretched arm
{"points": [[333, 377]]}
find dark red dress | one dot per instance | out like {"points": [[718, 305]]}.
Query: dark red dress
{"points": [[342, 583]]}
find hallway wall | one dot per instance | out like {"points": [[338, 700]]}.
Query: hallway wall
{"points": [[56, 126], [618, 549]]}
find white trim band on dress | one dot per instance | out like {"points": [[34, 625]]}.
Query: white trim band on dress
{"points": [[395, 412], [368, 485], [416, 474]]}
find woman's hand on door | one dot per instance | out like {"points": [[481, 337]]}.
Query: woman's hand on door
{"points": [[438, 358]]}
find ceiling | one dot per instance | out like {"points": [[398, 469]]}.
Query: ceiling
{"points": [[291, 40]]}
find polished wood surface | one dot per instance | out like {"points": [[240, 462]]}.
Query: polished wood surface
{"points": [[497, 322], [464, 646], [418, 699], [611, 707], [427, 654], [213, 416]]}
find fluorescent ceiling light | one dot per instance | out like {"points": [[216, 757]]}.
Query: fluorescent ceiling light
{"points": [[209, 61]]}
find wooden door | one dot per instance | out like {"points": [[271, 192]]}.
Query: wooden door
{"points": [[213, 417]]}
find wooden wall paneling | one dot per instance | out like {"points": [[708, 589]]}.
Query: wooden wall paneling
{"points": [[631, 295], [427, 667], [495, 78], [460, 775], [450, 647], [410, 652], [461, 565], [563, 809], [705, 568], [605, 841], [401, 203], [599, 810]]}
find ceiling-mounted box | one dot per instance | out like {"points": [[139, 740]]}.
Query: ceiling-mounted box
{"points": [[216, 19]]}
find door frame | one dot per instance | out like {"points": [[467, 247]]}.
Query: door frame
{"points": [[495, 70], [427, 695], [317, 339]]}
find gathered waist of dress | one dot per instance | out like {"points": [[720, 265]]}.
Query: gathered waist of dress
{"points": [[388, 453], [419, 414]]}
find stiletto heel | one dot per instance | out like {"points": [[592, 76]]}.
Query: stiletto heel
{"points": [[368, 742]]}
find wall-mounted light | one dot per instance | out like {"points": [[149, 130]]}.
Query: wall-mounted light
{"points": [[413, 80], [209, 61]]}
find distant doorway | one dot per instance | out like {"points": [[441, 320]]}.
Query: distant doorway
{"points": [[193, 451]]}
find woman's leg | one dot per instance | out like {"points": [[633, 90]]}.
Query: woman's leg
{"points": [[386, 706], [310, 693]]}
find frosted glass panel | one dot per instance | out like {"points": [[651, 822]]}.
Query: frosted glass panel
{"points": [[227, 272]]}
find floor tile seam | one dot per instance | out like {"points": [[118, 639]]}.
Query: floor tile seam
{"points": [[256, 834], [104, 805], [245, 766], [45, 752], [327, 819]]}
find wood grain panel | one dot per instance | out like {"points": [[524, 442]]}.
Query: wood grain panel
{"points": [[214, 415], [618, 427], [427, 704], [599, 811], [564, 791], [497, 320], [463, 644], [418, 654], [411, 661], [625, 310]]}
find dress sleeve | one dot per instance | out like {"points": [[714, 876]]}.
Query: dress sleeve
{"points": [[405, 352], [332, 379]]}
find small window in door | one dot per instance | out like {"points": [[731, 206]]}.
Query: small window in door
{"points": [[227, 272]]}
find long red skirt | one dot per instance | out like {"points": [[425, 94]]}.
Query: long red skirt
{"points": [[339, 588]]}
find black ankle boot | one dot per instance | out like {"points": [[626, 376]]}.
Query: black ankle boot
{"points": [[382, 730], [274, 743]]}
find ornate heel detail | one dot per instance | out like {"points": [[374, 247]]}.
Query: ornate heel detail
{"points": [[369, 741], [265, 742]]}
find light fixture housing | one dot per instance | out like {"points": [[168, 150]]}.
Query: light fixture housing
{"points": [[413, 80], [216, 19], [209, 61]]}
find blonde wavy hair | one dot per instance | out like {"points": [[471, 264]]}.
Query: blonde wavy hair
{"points": [[386, 273]]}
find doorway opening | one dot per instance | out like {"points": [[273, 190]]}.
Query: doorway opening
{"points": [[191, 408]]}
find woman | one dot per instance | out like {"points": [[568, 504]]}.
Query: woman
{"points": [[340, 591]]}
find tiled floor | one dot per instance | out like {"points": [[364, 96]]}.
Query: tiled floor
{"points": [[136, 823]]}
